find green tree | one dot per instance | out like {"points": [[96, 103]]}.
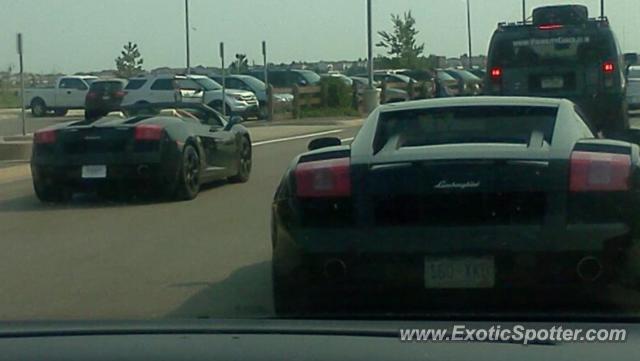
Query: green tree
{"points": [[240, 65], [401, 43], [129, 63]]}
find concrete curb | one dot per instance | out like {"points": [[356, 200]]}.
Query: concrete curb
{"points": [[15, 151]]}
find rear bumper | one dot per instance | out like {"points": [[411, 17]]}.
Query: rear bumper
{"points": [[138, 176], [386, 259]]}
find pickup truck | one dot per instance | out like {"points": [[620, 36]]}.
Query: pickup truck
{"points": [[68, 93]]}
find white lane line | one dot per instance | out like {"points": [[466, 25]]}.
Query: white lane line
{"points": [[280, 140]]}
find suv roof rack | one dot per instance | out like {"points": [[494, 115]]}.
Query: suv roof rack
{"points": [[600, 20]]}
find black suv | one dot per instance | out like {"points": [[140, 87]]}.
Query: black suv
{"points": [[288, 78], [562, 53]]}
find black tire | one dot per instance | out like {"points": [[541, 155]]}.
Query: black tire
{"points": [[244, 162], [60, 112], [188, 185], [51, 193], [38, 108]]}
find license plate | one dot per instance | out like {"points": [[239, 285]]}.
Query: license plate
{"points": [[94, 171], [459, 273], [552, 82], [106, 97]]}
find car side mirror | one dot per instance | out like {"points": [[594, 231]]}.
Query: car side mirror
{"points": [[302, 82], [235, 119], [631, 58], [324, 143]]}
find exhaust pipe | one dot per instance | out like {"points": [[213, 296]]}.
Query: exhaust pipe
{"points": [[589, 269], [335, 269], [143, 170]]}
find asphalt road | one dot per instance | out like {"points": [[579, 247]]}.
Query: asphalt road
{"points": [[92, 259]]}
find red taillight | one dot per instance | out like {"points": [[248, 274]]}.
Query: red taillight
{"points": [[324, 178], [45, 137], [608, 67], [149, 132], [496, 73], [593, 172], [120, 94], [550, 27], [92, 95]]}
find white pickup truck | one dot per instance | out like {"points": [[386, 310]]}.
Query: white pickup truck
{"points": [[69, 92]]}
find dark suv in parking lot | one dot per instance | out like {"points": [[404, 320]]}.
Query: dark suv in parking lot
{"points": [[287, 78], [562, 53]]}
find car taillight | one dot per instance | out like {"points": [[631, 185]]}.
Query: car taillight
{"points": [[120, 94], [593, 172], [149, 132], [324, 178], [92, 95], [496, 74], [550, 27], [45, 137], [608, 67]]}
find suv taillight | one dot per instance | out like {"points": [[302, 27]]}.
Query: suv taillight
{"points": [[324, 178], [495, 75], [45, 137], [594, 172], [608, 67], [148, 132]]}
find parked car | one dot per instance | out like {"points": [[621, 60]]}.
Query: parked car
{"points": [[633, 88], [446, 85], [166, 88], [391, 95], [345, 79], [389, 77], [167, 149], [480, 73], [69, 92], [468, 84], [256, 86], [287, 78], [422, 76], [104, 96], [457, 193]]}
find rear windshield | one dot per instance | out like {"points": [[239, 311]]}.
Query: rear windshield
{"points": [[460, 125], [550, 49], [107, 86]]}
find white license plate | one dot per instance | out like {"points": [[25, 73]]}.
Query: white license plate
{"points": [[94, 171], [459, 272], [106, 97], [552, 82]]}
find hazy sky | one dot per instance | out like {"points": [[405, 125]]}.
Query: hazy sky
{"points": [[75, 35]]}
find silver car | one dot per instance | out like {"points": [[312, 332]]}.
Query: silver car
{"points": [[633, 88]]}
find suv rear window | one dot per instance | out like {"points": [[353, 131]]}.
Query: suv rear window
{"points": [[552, 50], [460, 125], [135, 84], [106, 86]]}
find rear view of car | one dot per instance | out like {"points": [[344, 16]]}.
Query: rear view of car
{"points": [[562, 54], [446, 200], [103, 97], [633, 88]]}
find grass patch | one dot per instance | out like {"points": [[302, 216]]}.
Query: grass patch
{"points": [[9, 99], [328, 112]]}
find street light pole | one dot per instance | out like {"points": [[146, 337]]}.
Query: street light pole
{"points": [[371, 96], [524, 11], [602, 8], [469, 33], [186, 22], [369, 46]]}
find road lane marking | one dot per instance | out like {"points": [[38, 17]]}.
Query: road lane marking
{"points": [[311, 135]]}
